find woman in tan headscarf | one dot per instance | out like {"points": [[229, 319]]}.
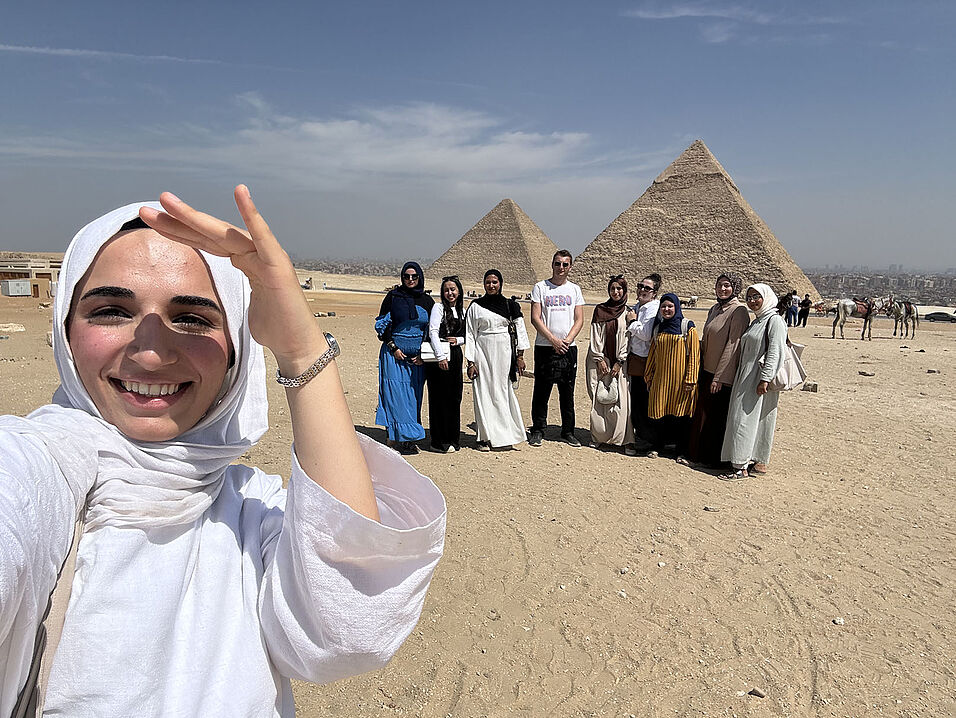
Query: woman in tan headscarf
{"points": [[606, 361]]}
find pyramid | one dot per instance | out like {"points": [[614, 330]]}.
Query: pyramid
{"points": [[690, 224], [505, 239]]}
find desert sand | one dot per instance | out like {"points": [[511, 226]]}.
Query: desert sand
{"points": [[580, 582]]}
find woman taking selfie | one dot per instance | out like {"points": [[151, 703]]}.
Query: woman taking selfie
{"points": [[201, 585]]}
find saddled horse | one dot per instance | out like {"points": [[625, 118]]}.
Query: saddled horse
{"points": [[903, 313], [864, 309]]}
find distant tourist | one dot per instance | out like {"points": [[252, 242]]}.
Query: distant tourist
{"points": [[401, 325], [726, 322], [671, 377], [752, 415], [446, 331], [804, 313], [640, 330], [606, 364], [793, 309], [496, 339], [557, 313]]}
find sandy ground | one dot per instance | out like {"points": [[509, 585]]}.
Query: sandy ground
{"points": [[586, 583]]}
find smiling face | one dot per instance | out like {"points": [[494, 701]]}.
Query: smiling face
{"points": [[449, 291], [646, 291], [754, 300], [492, 285], [668, 310], [148, 336], [615, 292], [724, 289]]}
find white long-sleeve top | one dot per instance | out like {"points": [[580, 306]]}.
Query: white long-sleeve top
{"points": [[434, 324], [641, 330], [213, 618]]}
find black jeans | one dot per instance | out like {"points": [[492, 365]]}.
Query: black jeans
{"points": [[643, 429], [551, 368]]}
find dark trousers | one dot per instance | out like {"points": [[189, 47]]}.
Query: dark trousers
{"points": [[551, 368], [710, 422], [643, 429], [802, 317], [444, 401], [671, 430]]}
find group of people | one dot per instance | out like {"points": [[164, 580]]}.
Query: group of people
{"points": [[657, 383], [796, 310]]}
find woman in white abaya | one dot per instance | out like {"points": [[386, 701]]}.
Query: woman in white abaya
{"points": [[201, 586], [496, 339]]}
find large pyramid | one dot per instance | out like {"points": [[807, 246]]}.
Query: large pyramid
{"points": [[689, 225], [505, 239]]}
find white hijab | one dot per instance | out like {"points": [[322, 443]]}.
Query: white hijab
{"points": [[769, 305], [137, 483]]}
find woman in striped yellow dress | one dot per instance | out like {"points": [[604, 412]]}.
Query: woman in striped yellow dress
{"points": [[671, 376]]}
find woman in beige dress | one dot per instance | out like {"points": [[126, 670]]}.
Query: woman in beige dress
{"points": [[606, 362]]}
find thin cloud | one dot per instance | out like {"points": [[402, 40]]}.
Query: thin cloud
{"points": [[718, 32], [420, 143], [110, 55], [696, 10], [736, 13]]}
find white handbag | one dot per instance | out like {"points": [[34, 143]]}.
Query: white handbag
{"points": [[606, 392], [427, 353], [791, 373]]}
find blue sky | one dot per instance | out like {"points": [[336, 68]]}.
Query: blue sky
{"points": [[388, 128]]}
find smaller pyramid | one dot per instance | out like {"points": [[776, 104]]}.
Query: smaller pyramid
{"points": [[505, 239]]}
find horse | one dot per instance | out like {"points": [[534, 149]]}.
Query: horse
{"points": [[862, 308], [902, 313]]}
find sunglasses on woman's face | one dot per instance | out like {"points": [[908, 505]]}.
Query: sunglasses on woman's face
{"points": [[410, 276], [645, 288]]}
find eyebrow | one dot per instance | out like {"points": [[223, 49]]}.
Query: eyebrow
{"points": [[119, 292], [191, 300], [185, 300]]}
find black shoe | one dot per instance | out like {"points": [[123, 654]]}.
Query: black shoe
{"points": [[571, 440], [535, 438], [408, 448]]}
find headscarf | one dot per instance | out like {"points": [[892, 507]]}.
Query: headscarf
{"points": [[405, 299], [507, 308], [607, 313], [769, 305], [735, 281], [672, 325], [137, 483], [498, 303]]}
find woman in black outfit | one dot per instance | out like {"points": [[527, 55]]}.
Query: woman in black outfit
{"points": [[446, 331]]}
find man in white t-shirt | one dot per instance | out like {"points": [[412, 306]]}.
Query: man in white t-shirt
{"points": [[557, 313]]}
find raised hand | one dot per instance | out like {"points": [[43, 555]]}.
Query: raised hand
{"points": [[279, 314]]}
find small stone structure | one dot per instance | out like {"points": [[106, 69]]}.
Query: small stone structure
{"points": [[690, 224], [505, 239]]}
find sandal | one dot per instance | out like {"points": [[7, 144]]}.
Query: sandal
{"points": [[758, 467], [682, 461], [738, 475]]}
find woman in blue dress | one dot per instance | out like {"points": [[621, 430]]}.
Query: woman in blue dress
{"points": [[402, 324]]}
